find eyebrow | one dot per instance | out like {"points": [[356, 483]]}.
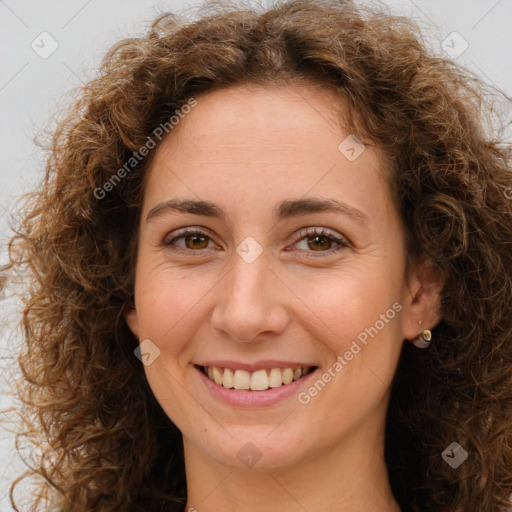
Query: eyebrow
{"points": [[283, 210]]}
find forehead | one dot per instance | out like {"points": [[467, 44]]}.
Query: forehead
{"points": [[249, 143], [281, 118]]}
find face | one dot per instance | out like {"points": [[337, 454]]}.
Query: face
{"points": [[293, 267]]}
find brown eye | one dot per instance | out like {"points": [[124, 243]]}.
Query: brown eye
{"points": [[193, 241], [320, 242]]}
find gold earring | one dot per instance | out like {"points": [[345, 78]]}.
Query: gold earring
{"points": [[423, 339]]}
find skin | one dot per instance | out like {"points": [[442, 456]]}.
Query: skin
{"points": [[246, 149]]}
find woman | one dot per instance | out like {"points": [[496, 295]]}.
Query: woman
{"points": [[272, 272]]}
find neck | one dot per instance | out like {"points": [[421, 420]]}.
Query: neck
{"points": [[352, 477]]}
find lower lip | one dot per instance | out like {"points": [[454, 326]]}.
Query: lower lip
{"points": [[245, 398]]}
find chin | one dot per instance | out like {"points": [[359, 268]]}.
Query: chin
{"points": [[252, 448]]}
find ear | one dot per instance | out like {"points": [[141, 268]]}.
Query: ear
{"points": [[132, 319], [424, 300]]}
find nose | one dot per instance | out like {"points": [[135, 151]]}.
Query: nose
{"points": [[250, 302]]}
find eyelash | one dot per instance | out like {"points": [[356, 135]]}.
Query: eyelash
{"points": [[304, 233]]}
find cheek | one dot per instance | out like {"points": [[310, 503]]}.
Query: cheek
{"points": [[169, 303], [342, 305], [360, 329]]}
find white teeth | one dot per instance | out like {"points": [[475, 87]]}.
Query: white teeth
{"points": [[275, 380], [227, 378], [259, 380], [241, 379], [217, 376], [287, 375]]}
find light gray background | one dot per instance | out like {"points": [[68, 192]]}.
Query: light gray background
{"points": [[32, 89]]}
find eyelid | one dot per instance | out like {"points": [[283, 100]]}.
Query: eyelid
{"points": [[187, 231], [319, 231]]}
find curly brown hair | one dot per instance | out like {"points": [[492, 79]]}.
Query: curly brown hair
{"points": [[84, 392]]}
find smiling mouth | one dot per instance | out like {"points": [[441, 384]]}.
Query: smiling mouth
{"points": [[259, 380]]}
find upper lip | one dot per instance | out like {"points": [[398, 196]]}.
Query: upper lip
{"points": [[251, 367]]}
